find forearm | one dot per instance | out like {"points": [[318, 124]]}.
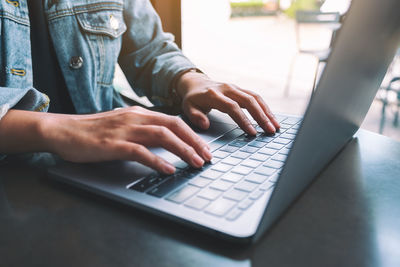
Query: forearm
{"points": [[23, 131]]}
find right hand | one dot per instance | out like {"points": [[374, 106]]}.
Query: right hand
{"points": [[124, 134]]}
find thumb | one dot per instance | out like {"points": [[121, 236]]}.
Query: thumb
{"points": [[197, 117]]}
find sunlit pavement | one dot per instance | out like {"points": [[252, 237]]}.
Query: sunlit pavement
{"points": [[256, 52]]}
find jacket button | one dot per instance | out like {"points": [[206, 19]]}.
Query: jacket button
{"points": [[76, 62]]}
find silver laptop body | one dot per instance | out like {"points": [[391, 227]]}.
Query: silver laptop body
{"points": [[361, 54]]}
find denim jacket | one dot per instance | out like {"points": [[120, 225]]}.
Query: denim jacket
{"points": [[89, 37]]}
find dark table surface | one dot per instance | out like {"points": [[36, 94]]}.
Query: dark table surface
{"points": [[350, 216]]}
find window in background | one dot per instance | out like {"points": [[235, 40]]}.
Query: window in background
{"points": [[252, 43]]}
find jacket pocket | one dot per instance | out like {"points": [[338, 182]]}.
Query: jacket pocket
{"points": [[102, 27], [103, 22]]}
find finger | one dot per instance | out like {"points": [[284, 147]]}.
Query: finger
{"points": [[227, 105], [161, 136], [196, 116], [264, 106], [184, 132], [248, 102], [139, 153]]}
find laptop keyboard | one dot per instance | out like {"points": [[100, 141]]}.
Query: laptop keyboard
{"points": [[242, 170]]}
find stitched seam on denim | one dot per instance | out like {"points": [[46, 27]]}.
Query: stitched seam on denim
{"points": [[73, 11], [44, 105], [93, 54], [8, 15], [102, 51], [105, 84]]}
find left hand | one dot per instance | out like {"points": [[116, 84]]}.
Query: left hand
{"points": [[200, 95]]}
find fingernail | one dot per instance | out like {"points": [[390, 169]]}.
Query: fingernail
{"points": [[207, 154], [197, 160], [203, 124], [168, 168], [250, 129], [271, 127]]}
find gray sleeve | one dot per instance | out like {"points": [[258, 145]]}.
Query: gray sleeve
{"points": [[149, 57]]}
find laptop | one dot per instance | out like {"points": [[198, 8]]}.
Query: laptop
{"points": [[252, 180]]}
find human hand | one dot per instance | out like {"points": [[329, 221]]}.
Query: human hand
{"points": [[200, 95], [124, 134]]}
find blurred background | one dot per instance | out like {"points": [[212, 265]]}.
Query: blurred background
{"points": [[277, 48]]}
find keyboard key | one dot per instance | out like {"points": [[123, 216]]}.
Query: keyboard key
{"points": [[238, 143], [251, 163], [148, 182], [256, 194], [180, 164], [221, 167], [220, 154], [209, 193], [285, 126], [274, 146], [183, 193], [265, 138], [232, 161], [266, 186], [289, 145], [257, 144], [268, 151], [266, 171], [249, 149], [221, 185], [284, 151], [274, 178], [288, 136], [200, 182], [197, 203], [235, 194], [296, 127], [245, 204], [242, 170], [260, 157], [291, 131], [292, 120], [246, 186], [232, 177], [226, 138], [241, 155], [279, 157], [274, 164], [220, 207], [259, 129], [167, 186], [211, 174], [282, 141], [256, 178], [229, 149], [280, 118], [234, 214]]}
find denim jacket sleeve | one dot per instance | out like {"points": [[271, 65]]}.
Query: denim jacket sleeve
{"points": [[149, 57], [22, 98]]}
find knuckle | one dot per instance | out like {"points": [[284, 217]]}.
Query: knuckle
{"points": [[232, 105], [161, 132], [138, 149], [175, 122], [188, 150], [250, 100], [212, 92]]}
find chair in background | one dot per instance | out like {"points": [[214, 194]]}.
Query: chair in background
{"points": [[329, 20], [389, 94]]}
